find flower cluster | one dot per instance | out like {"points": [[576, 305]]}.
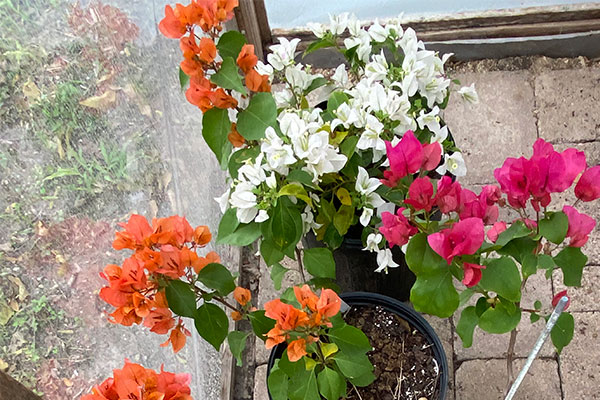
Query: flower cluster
{"points": [[134, 381], [303, 325], [165, 250]]}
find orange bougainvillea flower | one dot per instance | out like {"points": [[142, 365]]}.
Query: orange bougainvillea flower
{"points": [[202, 235], [208, 50], [136, 382], [242, 295], [137, 230], [306, 297], [274, 337], [247, 59], [296, 349], [329, 303], [202, 262], [171, 25], [177, 338], [257, 82], [287, 317], [236, 315], [160, 320], [234, 136]]}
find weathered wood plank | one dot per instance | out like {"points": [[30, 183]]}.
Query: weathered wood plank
{"points": [[13, 390]]}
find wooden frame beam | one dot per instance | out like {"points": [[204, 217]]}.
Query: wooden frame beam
{"points": [[251, 17], [510, 23], [13, 390]]}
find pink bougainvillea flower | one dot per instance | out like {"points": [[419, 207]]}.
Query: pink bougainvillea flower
{"points": [[420, 194], [405, 158], [559, 296], [464, 237], [513, 182], [588, 187], [396, 228], [491, 194], [496, 230], [448, 195], [580, 226], [472, 205], [432, 154], [472, 274]]}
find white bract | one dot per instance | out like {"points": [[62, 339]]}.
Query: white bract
{"points": [[373, 241], [455, 164], [469, 94], [282, 55], [385, 260]]}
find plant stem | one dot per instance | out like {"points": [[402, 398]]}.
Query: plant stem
{"points": [[300, 266], [509, 359], [217, 298]]}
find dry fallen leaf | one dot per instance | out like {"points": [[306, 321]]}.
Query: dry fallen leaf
{"points": [[22, 289], [31, 91], [3, 365], [68, 382], [14, 305], [40, 229], [102, 102], [5, 313]]}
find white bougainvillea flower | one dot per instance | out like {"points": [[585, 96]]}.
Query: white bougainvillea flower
{"points": [[223, 200], [455, 164], [283, 98], [378, 33], [338, 23], [277, 154], [354, 25], [440, 135], [317, 29], [370, 138], [469, 94], [377, 69], [367, 186], [253, 172], [366, 216], [431, 120], [363, 41], [262, 216], [244, 200], [373, 241], [340, 76], [308, 220], [263, 69], [282, 55], [298, 78], [385, 260]]}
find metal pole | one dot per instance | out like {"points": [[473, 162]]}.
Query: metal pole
{"points": [[538, 346]]}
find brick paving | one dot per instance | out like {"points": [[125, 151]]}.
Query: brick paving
{"points": [[517, 107]]}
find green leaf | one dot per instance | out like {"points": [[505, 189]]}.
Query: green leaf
{"points": [[554, 227], [315, 84], [212, 324], [335, 100], [349, 145], [502, 276], [465, 296], [237, 343], [236, 234], [516, 230], [277, 383], [260, 323], [183, 79], [502, 318], [228, 76], [260, 114], [286, 224], [344, 196], [332, 385], [466, 325], [350, 340], [215, 128], [352, 365], [304, 386], [239, 157], [571, 261], [270, 253], [562, 333], [230, 44], [519, 248], [216, 276], [319, 44], [481, 306], [181, 298], [295, 190], [433, 291], [342, 220], [303, 177], [533, 317], [277, 273], [319, 262], [529, 266]]}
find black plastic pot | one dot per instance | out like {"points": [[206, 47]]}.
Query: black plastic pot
{"points": [[403, 311], [354, 268]]}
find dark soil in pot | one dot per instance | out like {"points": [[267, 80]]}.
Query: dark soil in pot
{"points": [[405, 366]]}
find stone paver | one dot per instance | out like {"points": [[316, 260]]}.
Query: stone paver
{"points": [[580, 360], [501, 124], [260, 383], [569, 104], [486, 380]]}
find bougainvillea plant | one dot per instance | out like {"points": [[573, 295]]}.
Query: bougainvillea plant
{"points": [[165, 279], [136, 382]]}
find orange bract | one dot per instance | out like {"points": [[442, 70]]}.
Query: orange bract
{"points": [[234, 136], [257, 82], [329, 303], [306, 297], [296, 350], [247, 59], [242, 295]]}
